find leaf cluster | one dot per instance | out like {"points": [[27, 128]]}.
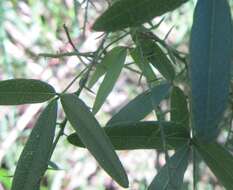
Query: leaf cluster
{"points": [[195, 114]]}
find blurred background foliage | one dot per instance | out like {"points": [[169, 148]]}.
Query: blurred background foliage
{"points": [[30, 27]]}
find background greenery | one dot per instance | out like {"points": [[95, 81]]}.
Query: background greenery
{"points": [[30, 27]]}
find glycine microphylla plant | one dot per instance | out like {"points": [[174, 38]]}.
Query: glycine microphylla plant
{"points": [[195, 112]]}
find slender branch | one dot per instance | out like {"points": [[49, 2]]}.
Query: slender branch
{"points": [[194, 169], [69, 38], [83, 82], [61, 133], [133, 70], [65, 54], [73, 81], [94, 61], [85, 18], [156, 110], [116, 40], [72, 44]]}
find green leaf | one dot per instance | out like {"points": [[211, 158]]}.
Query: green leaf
{"points": [[140, 135], [34, 159], [53, 165], [111, 58], [154, 54], [5, 178], [219, 160], [161, 62], [143, 65], [94, 137], [176, 167], [211, 55], [179, 108], [141, 106], [115, 66], [24, 91], [128, 13]]}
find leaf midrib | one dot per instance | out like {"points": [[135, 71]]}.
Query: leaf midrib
{"points": [[96, 140], [210, 53]]}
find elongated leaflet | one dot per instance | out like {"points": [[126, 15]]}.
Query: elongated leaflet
{"points": [[24, 91], [34, 159], [128, 13], [141, 106], [112, 74], [219, 160], [94, 137], [177, 166], [211, 55], [138, 135]]}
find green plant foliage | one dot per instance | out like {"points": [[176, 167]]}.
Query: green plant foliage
{"points": [[128, 13], [179, 108], [117, 56], [53, 165], [5, 180], [141, 106], [111, 58], [33, 161], [138, 135], [171, 175], [143, 64], [211, 54], [188, 92], [219, 160], [24, 91], [94, 137], [151, 51]]}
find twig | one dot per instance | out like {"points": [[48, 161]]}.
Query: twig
{"points": [[85, 18], [69, 38], [78, 92], [72, 82], [72, 44], [65, 54]]}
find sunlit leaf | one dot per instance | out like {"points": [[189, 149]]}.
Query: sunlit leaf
{"points": [[170, 176], [111, 58], [24, 91], [115, 67], [138, 135], [211, 54], [219, 160], [34, 159], [141, 106], [94, 137], [5, 178], [128, 13], [179, 108]]}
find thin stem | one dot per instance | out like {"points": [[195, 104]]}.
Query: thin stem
{"points": [[164, 142], [133, 70], [81, 87], [157, 111], [116, 40], [94, 61], [73, 81], [66, 54], [194, 169], [72, 44], [61, 132], [69, 38], [85, 17]]}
